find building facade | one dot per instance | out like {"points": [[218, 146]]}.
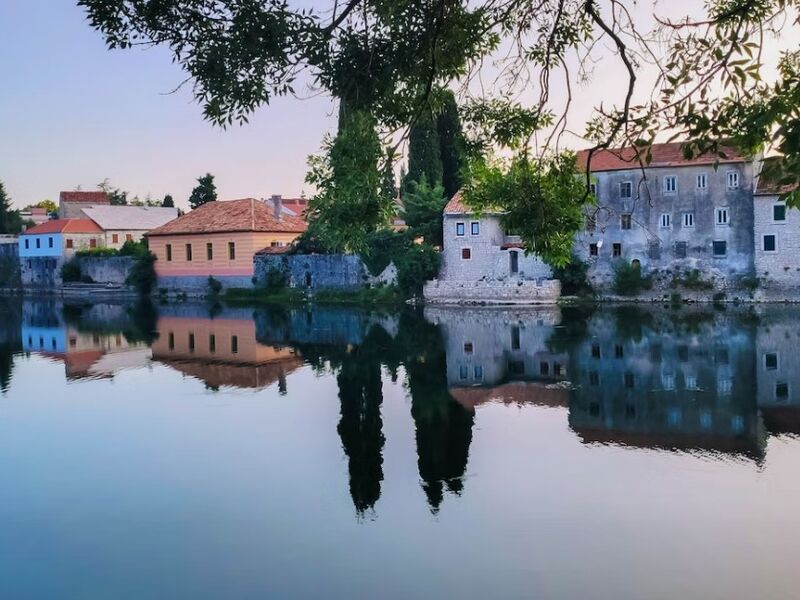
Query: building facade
{"points": [[71, 204], [44, 249], [122, 224], [219, 239], [674, 215]]}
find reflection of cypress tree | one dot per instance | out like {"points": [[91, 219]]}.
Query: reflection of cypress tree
{"points": [[6, 366], [444, 427], [360, 428]]}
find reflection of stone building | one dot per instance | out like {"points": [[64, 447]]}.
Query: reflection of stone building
{"points": [[683, 381], [777, 363], [222, 352]]}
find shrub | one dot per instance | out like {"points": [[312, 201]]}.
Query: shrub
{"points": [[749, 283], [692, 280], [131, 248], [71, 271], [416, 265], [276, 279], [628, 279], [214, 285], [143, 274], [573, 278], [98, 252]]}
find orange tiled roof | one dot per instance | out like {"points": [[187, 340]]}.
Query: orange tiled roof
{"points": [[85, 197], [274, 250], [767, 184], [65, 226], [456, 205], [247, 214], [663, 155]]}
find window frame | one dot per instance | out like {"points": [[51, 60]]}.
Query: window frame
{"points": [[468, 251], [781, 205], [719, 211], [616, 249], [231, 250], [774, 249], [461, 229], [688, 220], [189, 252], [714, 252], [701, 177], [594, 249], [626, 185], [670, 179], [665, 221], [168, 252], [626, 221], [209, 250], [475, 228], [732, 179]]}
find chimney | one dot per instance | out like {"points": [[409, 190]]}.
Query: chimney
{"points": [[277, 206]]}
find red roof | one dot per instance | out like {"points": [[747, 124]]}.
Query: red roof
{"points": [[456, 205], [38, 211], [663, 155], [84, 197], [769, 183], [274, 250], [247, 214], [65, 226], [296, 205]]}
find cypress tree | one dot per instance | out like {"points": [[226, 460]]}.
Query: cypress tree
{"points": [[451, 144], [424, 153]]}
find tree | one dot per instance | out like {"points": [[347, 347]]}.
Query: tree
{"points": [[424, 153], [10, 219], [48, 205], [204, 192], [451, 144], [422, 210], [168, 202], [116, 196]]}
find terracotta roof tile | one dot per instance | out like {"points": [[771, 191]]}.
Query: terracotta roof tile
{"points": [[247, 214], [768, 180], [456, 205], [65, 226], [663, 155], [274, 250], [85, 197]]}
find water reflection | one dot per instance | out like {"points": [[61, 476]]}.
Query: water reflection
{"points": [[694, 379]]}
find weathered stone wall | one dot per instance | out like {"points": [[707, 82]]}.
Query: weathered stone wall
{"points": [[544, 291], [654, 245], [198, 286], [778, 271], [320, 271], [39, 272], [10, 273], [106, 269]]}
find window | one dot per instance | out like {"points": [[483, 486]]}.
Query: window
{"points": [[630, 380], [169, 252], [769, 243], [666, 221], [463, 372], [212, 343], [50, 242], [771, 361], [466, 254], [27, 244], [654, 250], [595, 350], [475, 228], [688, 219], [191, 342], [592, 249], [114, 238], [670, 184], [469, 348], [209, 251], [619, 351], [720, 248], [93, 243], [625, 189], [616, 249], [128, 237], [188, 252], [733, 180], [625, 221], [558, 370], [691, 382], [234, 344], [779, 212], [515, 341], [723, 218], [591, 222], [232, 250], [460, 229], [38, 242], [781, 390], [702, 181], [69, 243], [593, 189], [478, 372], [680, 249], [544, 368]]}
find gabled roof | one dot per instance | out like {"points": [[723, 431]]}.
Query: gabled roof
{"points": [[663, 155], [456, 205], [274, 250], [247, 214], [84, 197], [65, 226], [769, 179], [130, 218]]}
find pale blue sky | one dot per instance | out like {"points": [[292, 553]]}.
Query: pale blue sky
{"points": [[72, 112]]}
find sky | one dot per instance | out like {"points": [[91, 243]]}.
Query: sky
{"points": [[73, 113]]}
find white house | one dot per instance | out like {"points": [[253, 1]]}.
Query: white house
{"points": [[128, 223]]}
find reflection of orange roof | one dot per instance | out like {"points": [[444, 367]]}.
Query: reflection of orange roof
{"points": [[77, 364], [508, 393], [218, 374]]}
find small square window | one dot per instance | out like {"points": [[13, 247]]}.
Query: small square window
{"points": [[688, 219], [69, 243], [771, 361], [625, 189], [468, 348], [670, 184], [625, 221], [733, 180], [723, 218], [702, 181], [782, 390], [654, 250], [779, 212], [666, 221], [720, 248], [460, 229], [616, 249], [593, 189], [680, 249], [769, 243], [128, 237], [466, 254], [592, 249], [93, 243], [475, 228]]}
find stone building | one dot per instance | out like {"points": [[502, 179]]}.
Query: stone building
{"points": [[71, 204], [777, 240], [483, 263], [675, 214], [122, 224]]}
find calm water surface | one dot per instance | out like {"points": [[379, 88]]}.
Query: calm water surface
{"points": [[194, 451]]}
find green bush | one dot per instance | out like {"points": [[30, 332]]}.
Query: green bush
{"points": [[691, 280], [628, 279], [143, 274], [71, 271], [573, 278], [749, 283], [214, 286], [276, 279], [98, 252], [418, 264], [131, 248]]}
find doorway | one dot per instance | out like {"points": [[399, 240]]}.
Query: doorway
{"points": [[514, 261]]}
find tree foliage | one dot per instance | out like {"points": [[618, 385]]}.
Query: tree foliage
{"points": [[10, 219], [422, 210], [205, 191], [452, 148], [424, 153], [168, 202], [48, 205]]}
